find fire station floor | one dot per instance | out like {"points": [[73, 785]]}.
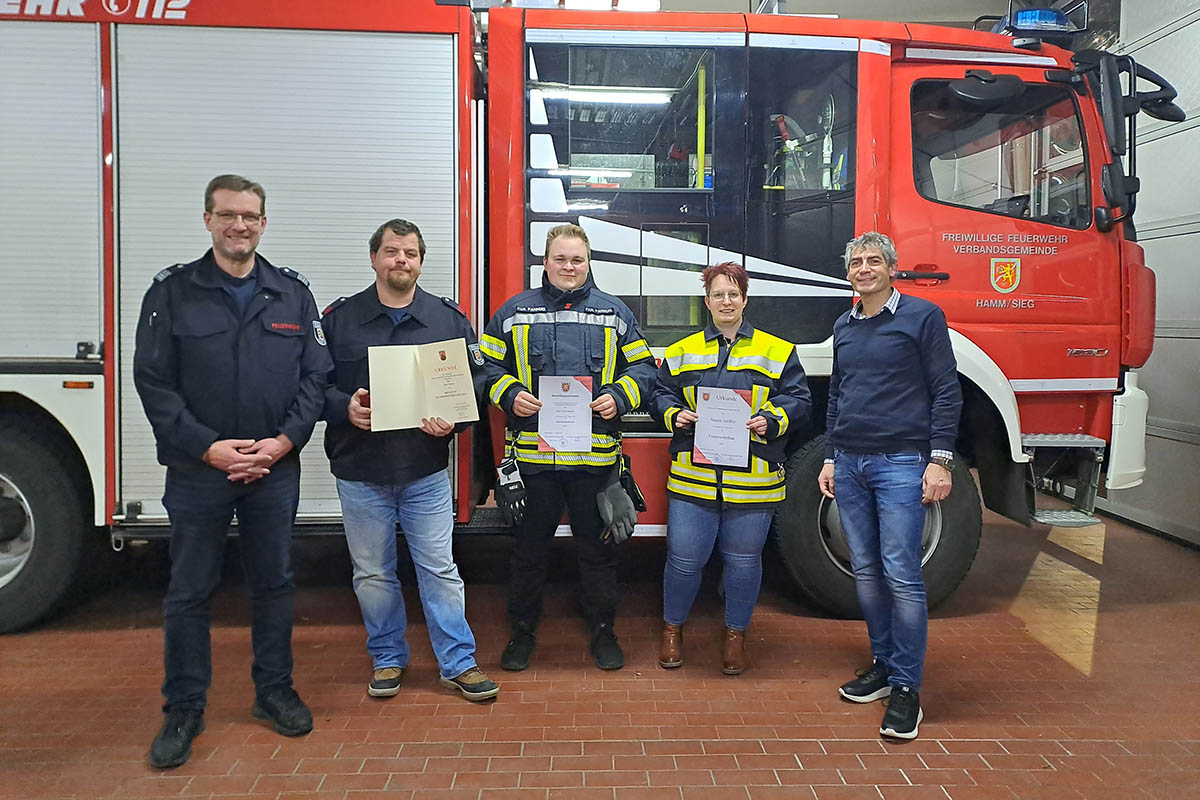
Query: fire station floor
{"points": [[1064, 667]]}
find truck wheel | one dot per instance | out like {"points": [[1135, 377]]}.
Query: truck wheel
{"points": [[41, 531], [814, 550]]}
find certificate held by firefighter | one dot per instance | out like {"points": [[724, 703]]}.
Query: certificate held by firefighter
{"points": [[721, 434], [565, 419], [411, 382]]}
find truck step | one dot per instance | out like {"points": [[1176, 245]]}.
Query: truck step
{"points": [[1060, 440], [1065, 518]]}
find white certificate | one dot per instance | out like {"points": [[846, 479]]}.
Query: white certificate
{"points": [[721, 433], [411, 382], [565, 421]]}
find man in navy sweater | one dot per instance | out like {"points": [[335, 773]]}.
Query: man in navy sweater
{"points": [[894, 403]]}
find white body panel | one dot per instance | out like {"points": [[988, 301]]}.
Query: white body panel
{"points": [[79, 411]]}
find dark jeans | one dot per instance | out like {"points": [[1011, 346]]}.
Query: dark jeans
{"points": [[201, 505], [547, 493]]}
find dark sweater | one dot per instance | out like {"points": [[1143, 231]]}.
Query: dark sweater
{"points": [[894, 386]]}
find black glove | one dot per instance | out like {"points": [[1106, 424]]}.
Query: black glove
{"points": [[510, 492], [616, 510]]}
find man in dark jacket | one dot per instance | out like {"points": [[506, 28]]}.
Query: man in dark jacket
{"points": [[230, 365], [894, 403], [385, 477], [567, 328]]}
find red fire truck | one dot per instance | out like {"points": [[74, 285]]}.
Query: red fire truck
{"points": [[1001, 166]]}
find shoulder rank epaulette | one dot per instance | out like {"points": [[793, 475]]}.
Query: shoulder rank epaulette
{"points": [[174, 269], [334, 305], [448, 301], [296, 276]]}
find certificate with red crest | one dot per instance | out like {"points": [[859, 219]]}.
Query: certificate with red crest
{"points": [[411, 382], [721, 433], [565, 420]]}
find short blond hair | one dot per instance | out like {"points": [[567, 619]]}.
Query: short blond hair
{"points": [[567, 231]]}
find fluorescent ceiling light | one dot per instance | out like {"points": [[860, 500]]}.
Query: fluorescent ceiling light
{"points": [[587, 173], [611, 94], [588, 5], [638, 5]]}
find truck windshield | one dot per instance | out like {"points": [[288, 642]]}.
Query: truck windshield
{"points": [[1022, 157]]}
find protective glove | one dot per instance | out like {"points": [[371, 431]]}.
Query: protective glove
{"points": [[510, 492], [617, 512]]}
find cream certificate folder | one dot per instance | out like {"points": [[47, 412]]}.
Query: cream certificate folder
{"points": [[565, 421], [721, 433], [411, 382]]}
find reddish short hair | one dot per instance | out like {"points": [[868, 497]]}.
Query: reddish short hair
{"points": [[730, 269]]}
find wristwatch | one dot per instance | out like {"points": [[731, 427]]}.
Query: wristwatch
{"points": [[942, 461]]}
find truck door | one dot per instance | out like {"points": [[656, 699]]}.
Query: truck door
{"points": [[991, 207]]}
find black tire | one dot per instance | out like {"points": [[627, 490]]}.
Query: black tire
{"points": [[40, 563], [808, 535]]}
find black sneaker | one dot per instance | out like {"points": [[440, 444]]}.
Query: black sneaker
{"points": [[520, 648], [385, 682], [284, 708], [903, 714], [870, 685], [605, 649], [173, 745]]}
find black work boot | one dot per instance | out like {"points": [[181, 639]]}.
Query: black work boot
{"points": [[605, 649], [520, 647], [173, 744], [284, 708]]}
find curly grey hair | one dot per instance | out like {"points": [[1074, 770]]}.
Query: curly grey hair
{"points": [[873, 240]]}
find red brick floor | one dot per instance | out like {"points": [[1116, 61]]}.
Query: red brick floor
{"points": [[1049, 675]]}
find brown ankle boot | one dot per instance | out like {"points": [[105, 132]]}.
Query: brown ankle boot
{"points": [[670, 653], [733, 658]]}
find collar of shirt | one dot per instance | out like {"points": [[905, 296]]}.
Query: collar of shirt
{"points": [[745, 331], [207, 273], [418, 309], [889, 306]]}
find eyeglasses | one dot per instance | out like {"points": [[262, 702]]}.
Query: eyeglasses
{"points": [[719, 297], [229, 217]]}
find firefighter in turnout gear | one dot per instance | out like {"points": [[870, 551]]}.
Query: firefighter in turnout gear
{"points": [[566, 328], [727, 505]]}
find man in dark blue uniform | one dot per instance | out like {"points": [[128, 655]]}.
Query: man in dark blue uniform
{"points": [[230, 365], [385, 477]]}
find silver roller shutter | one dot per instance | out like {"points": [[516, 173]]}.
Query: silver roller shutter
{"points": [[344, 131], [50, 234]]}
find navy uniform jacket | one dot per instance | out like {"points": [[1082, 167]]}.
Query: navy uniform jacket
{"points": [[583, 332], [205, 373], [351, 326]]}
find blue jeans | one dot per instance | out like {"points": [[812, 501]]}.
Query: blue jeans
{"points": [[201, 504], [369, 513], [879, 504], [739, 533]]}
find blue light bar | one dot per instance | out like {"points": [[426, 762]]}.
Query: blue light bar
{"points": [[1041, 19]]}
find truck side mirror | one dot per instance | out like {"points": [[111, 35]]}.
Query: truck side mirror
{"points": [[1104, 219], [1112, 103]]}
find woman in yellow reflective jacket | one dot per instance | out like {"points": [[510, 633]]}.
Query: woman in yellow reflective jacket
{"points": [[719, 489]]}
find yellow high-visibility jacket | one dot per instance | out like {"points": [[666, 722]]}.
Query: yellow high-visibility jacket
{"points": [[765, 366]]}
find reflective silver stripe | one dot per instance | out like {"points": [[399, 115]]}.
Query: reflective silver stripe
{"points": [[636, 350], [502, 385], [692, 490], [490, 345], [738, 496], [692, 472], [632, 392], [565, 316], [694, 360], [773, 367]]}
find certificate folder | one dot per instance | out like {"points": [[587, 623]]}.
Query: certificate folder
{"points": [[411, 382]]}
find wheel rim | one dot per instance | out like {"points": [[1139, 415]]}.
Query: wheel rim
{"points": [[833, 539], [15, 552]]}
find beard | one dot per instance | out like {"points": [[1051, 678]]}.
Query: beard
{"points": [[400, 281]]}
